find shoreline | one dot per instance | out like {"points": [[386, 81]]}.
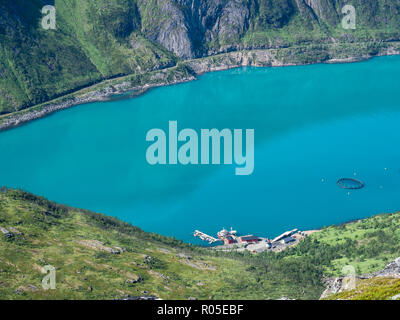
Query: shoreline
{"points": [[306, 233], [133, 85]]}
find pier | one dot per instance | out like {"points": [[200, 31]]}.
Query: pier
{"points": [[285, 235], [205, 237], [231, 240]]}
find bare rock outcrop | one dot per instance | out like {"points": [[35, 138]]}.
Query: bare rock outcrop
{"points": [[391, 270], [337, 285], [324, 10], [185, 26], [99, 246]]}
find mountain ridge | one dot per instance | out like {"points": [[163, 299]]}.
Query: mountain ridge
{"points": [[189, 70], [104, 39]]}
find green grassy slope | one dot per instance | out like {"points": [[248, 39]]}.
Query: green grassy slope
{"points": [[284, 23], [371, 289], [37, 65], [367, 245], [77, 244], [109, 33]]}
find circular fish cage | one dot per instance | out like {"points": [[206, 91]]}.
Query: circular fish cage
{"points": [[350, 183]]}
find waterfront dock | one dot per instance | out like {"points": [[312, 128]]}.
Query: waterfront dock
{"points": [[205, 237], [232, 241]]}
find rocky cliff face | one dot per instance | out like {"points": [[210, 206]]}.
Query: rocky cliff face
{"points": [[186, 26], [193, 28], [325, 10]]}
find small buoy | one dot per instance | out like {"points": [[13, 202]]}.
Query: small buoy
{"points": [[354, 173], [385, 169], [322, 180], [348, 193]]}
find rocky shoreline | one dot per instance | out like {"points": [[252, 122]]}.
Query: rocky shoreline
{"points": [[193, 68], [104, 94]]}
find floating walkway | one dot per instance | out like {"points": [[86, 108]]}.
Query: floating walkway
{"points": [[205, 237]]}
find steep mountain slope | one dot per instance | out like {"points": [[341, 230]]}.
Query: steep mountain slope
{"points": [[35, 65], [87, 46], [102, 39], [98, 257]]}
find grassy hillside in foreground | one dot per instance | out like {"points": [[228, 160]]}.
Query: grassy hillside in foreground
{"points": [[79, 244], [371, 289]]}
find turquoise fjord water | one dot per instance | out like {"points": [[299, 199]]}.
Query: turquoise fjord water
{"points": [[313, 125]]}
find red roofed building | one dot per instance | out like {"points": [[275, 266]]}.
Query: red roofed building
{"points": [[249, 239], [229, 240]]}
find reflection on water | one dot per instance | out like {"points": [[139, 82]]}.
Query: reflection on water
{"points": [[313, 125]]}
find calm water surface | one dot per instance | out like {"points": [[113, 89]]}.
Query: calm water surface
{"points": [[313, 125]]}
